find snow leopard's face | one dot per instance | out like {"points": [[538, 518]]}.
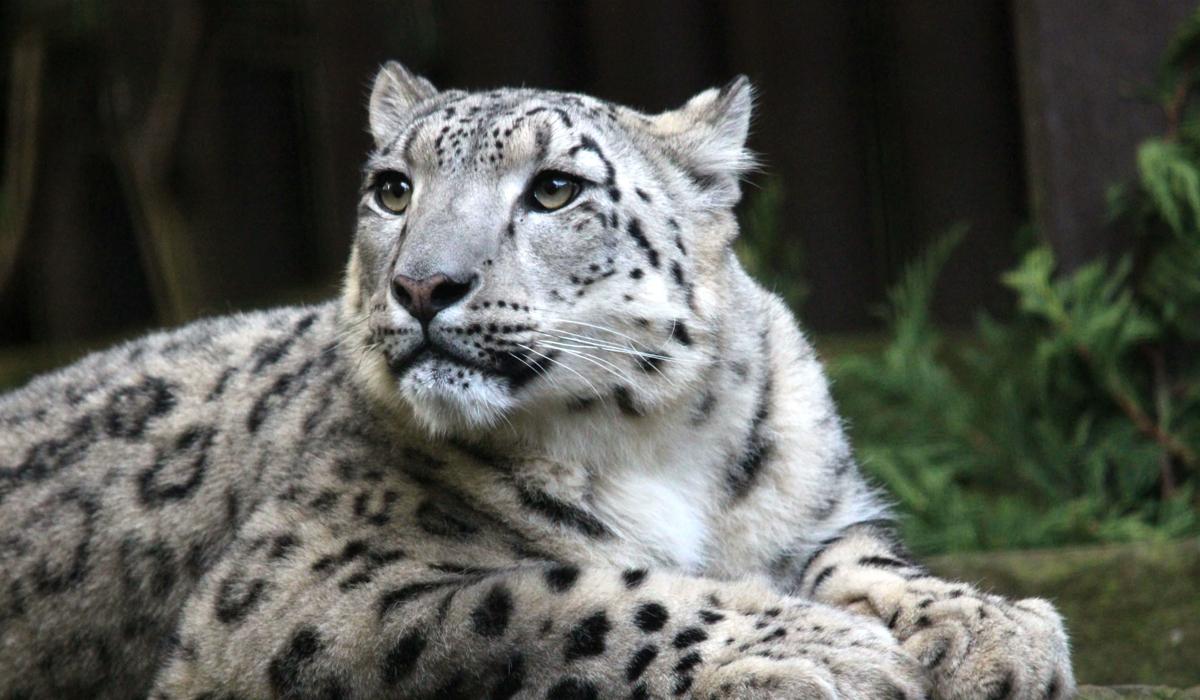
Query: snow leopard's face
{"points": [[534, 250]]}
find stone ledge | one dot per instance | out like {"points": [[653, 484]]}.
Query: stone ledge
{"points": [[1132, 611], [1136, 692]]}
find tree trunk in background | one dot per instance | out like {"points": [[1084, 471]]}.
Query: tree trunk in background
{"points": [[1087, 68], [885, 122]]}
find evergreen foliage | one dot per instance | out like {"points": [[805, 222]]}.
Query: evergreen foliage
{"points": [[1076, 421], [777, 263]]}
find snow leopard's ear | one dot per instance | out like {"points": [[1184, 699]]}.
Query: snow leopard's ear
{"points": [[708, 138], [395, 93]]}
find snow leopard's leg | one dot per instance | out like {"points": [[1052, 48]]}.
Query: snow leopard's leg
{"points": [[975, 645], [279, 619]]}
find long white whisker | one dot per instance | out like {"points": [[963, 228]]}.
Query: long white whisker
{"points": [[569, 369], [599, 328], [583, 344], [580, 342], [603, 364], [639, 355]]}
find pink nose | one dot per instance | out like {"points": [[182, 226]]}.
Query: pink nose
{"points": [[423, 299]]}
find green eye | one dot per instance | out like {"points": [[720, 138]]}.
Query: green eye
{"points": [[393, 192], [554, 190]]}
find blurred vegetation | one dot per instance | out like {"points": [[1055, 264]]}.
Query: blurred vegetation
{"points": [[767, 256], [1078, 419]]}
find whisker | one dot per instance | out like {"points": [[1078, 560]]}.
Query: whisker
{"points": [[599, 328], [580, 342], [593, 342], [603, 364], [569, 369]]}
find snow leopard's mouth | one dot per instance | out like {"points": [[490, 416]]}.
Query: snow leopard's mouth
{"points": [[518, 367]]}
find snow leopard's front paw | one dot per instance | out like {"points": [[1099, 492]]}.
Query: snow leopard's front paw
{"points": [[818, 653], [977, 646]]}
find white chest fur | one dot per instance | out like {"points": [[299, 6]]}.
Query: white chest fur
{"points": [[663, 511]]}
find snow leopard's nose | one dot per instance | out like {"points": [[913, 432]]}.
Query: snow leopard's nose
{"points": [[423, 299]]}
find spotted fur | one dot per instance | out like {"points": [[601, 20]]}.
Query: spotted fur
{"points": [[607, 467]]}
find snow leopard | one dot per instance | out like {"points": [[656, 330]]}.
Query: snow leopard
{"points": [[550, 442]]}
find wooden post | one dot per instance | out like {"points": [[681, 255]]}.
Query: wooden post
{"points": [[1086, 70]]}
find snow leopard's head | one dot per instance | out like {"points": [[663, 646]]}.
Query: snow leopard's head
{"points": [[529, 250]]}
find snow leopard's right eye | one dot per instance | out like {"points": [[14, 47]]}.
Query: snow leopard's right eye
{"points": [[392, 192]]}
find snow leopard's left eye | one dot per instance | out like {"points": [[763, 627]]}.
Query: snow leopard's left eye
{"points": [[553, 190]]}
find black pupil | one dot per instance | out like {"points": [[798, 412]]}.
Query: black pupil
{"points": [[553, 186], [395, 187]]}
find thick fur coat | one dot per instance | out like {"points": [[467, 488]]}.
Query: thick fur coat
{"points": [[552, 442]]}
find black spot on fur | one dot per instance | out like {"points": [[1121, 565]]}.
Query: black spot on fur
{"points": [[939, 655], [45, 458], [1003, 688], [222, 383], [588, 637], [522, 367], [1053, 688], [563, 513], [510, 679], [610, 173], [703, 181], [184, 468], [679, 332], [401, 660], [633, 577], [490, 618], [625, 402], [742, 477], [148, 567], [273, 351], [711, 616], [635, 230], [682, 685], [282, 389], [640, 660], [283, 546], [640, 692], [581, 404], [396, 598], [884, 563], [651, 617], [562, 578], [290, 672], [651, 363], [237, 598], [822, 575], [572, 689], [645, 197], [687, 663], [355, 581], [435, 520], [352, 550], [65, 563], [381, 513], [688, 637], [131, 408], [461, 569], [325, 501]]}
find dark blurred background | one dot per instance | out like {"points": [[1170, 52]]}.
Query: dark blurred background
{"points": [[170, 159], [166, 160]]}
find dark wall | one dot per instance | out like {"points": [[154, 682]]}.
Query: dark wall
{"points": [[195, 157]]}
